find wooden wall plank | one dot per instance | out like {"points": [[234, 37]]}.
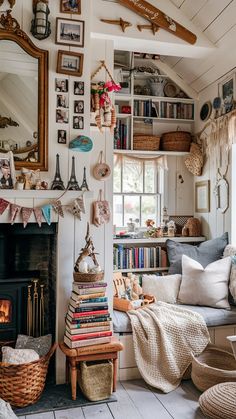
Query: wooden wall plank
{"points": [[222, 24], [210, 12], [192, 7]]}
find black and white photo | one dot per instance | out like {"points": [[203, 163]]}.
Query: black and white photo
{"points": [[7, 171], [61, 136], [61, 85], [70, 32], [78, 122], [79, 88], [78, 106], [62, 101], [62, 116], [70, 63]]}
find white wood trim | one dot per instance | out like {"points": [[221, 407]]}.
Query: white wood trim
{"points": [[159, 240]]}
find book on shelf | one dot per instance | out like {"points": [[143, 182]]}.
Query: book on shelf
{"points": [[86, 342], [88, 336], [80, 298], [76, 331], [91, 308], [177, 110], [122, 135]]}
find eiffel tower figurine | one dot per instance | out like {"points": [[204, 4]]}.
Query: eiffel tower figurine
{"points": [[84, 186], [73, 184], [57, 183]]}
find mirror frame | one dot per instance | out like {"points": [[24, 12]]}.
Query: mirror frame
{"points": [[10, 30]]}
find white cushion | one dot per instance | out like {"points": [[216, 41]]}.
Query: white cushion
{"points": [[164, 288], [6, 411], [231, 251], [18, 356], [205, 287]]}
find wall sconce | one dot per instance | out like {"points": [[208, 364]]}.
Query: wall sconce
{"points": [[40, 26]]}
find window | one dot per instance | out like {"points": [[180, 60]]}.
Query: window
{"points": [[136, 190]]}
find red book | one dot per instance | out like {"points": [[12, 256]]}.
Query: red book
{"points": [[88, 313], [89, 335]]}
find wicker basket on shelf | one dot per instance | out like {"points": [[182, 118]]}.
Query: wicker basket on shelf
{"points": [[88, 277], [146, 142], [176, 141], [23, 384], [213, 366]]}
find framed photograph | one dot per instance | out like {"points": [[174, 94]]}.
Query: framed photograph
{"points": [[62, 101], [70, 63], [78, 106], [70, 32], [79, 88], [227, 92], [7, 171], [202, 196], [61, 136], [61, 85], [78, 122], [71, 6], [62, 116]]}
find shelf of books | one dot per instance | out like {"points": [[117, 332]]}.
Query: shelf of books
{"points": [[88, 321], [138, 259]]}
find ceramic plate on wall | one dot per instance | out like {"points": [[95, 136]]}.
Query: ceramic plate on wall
{"points": [[205, 111]]}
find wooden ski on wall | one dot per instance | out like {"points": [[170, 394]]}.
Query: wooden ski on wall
{"points": [[154, 15]]}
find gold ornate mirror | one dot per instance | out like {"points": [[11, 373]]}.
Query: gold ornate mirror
{"points": [[23, 96]]}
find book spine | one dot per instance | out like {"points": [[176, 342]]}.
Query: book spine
{"points": [[88, 290], [96, 341], [85, 330], [89, 284], [88, 309], [81, 298], [89, 336], [90, 319], [76, 326], [88, 313]]}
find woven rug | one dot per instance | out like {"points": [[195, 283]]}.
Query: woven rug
{"points": [[56, 397]]}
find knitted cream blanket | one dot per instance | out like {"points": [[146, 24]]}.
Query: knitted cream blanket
{"points": [[164, 338]]}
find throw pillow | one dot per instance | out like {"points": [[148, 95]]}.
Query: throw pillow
{"points": [[205, 287], [205, 253], [164, 288], [6, 411], [41, 344], [231, 251], [18, 356]]}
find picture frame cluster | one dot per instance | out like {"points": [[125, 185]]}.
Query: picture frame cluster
{"points": [[69, 32]]}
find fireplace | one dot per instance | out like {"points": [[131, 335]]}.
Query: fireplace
{"points": [[27, 256]]}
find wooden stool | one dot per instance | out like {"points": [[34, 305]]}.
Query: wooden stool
{"points": [[90, 353]]}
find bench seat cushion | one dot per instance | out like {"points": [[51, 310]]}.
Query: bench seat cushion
{"points": [[212, 316]]}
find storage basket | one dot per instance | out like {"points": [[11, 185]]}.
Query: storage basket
{"points": [[89, 277], [146, 142], [22, 385], [213, 366], [96, 379], [176, 141]]}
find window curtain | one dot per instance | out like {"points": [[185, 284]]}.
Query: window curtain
{"points": [[161, 161]]}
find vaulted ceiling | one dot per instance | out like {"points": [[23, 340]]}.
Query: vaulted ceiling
{"points": [[217, 21]]}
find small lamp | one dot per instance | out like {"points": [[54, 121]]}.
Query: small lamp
{"points": [[40, 26]]}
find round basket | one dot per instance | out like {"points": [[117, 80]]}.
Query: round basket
{"points": [[89, 277], [219, 401], [22, 385], [176, 141], [212, 367]]}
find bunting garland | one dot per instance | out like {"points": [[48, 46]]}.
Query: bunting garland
{"points": [[75, 208]]}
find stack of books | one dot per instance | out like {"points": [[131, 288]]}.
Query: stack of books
{"points": [[88, 320]]}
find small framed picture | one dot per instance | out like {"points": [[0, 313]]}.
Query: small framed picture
{"points": [[78, 106], [62, 116], [62, 101], [71, 6], [70, 32], [227, 92], [202, 196], [7, 171], [79, 88], [78, 122], [61, 136], [70, 63], [61, 85]]}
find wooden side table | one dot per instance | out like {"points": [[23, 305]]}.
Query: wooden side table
{"points": [[105, 351]]}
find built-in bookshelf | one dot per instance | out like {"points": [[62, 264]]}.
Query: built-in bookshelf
{"points": [[153, 110]]}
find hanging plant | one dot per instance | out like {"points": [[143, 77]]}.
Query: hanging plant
{"points": [[101, 103]]}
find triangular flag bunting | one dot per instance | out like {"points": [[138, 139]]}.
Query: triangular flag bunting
{"points": [[26, 213], [74, 209], [57, 206], [3, 205], [38, 215], [80, 202], [14, 211], [46, 210]]}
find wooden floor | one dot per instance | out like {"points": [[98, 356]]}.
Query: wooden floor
{"points": [[136, 401]]}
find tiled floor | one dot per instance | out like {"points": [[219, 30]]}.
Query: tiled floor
{"points": [[136, 401]]}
